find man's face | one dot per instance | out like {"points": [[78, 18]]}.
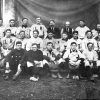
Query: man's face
{"points": [[34, 48], [52, 23], [90, 47], [1, 22], [89, 35], [12, 23], [75, 35], [50, 35], [22, 35], [73, 46], [25, 21], [64, 36], [38, 20], [81, 23], [67, 24], [49, 46], [19, 46], [8, 33], [35, 34], [98, 26]]}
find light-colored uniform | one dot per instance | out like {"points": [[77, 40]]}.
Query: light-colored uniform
{"points": [[32, 40], [27, 30], [45, 41], [41, 28], [86, 41], [77, 41], [91, 56], [8, 44], [82, 31]]}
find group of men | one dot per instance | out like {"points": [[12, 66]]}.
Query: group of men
{"points": [[50, 50]]}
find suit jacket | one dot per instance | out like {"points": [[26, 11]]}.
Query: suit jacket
{"points": [[69, 32], [55, 31]]}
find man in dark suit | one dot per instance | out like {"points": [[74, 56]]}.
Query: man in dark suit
{"points": [[53, 29], [68, 30]]}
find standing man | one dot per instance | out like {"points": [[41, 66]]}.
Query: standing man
{"points": [[12, 26], [82, 29], [68, 30], [53, 29], [40, 27], [24, 27]]}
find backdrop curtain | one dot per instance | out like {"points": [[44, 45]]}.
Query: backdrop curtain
{"points": [[60, 10], [0, 9]]}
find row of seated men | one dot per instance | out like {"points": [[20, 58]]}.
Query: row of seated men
{"points": [[9, 41], [76, 63]]}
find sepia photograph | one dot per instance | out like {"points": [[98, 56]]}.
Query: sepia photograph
{"points": [[49, 49]]}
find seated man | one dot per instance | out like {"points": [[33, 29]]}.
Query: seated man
{"points": [[51, 56], [91, 61], [62, 43], [21, 38], [76, 40], [87, 39], [35, 39], [34, 63], [74, 59], [13, 59], [49, 38], [42, 30], [8, 42]]}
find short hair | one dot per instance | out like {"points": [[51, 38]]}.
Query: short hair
{"points": [[50, 32], [36, 31], [21, 31], [73, 43], [18, 42], [75, 32], [90, 43], [8, 30], [24, 18], [12, 20], [88, 31], [38, 18], [49, 43], [34, 44], [52, 20], [65, 33], [67, 22], [83, 21]]}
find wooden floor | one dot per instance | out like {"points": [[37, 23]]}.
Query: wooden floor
{"points": [[48, 88]]}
